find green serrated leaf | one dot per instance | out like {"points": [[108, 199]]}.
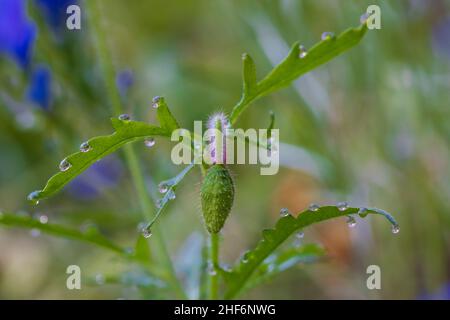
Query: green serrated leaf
{"points": [[89, 236], [284, 228], [293, 66], [99, 147], [165, 117]]}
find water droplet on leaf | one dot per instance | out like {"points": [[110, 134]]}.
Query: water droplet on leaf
{"points": [[64, 165], [163, 187], [149, 142], [147, 233], [155, 102], [351, 222], [172, 195], [395, 229], [303, 52], [313, 207], [300, 235], [284, 212], [33, 197], [245, 256], [43, 219], [327, 35], [363, 18], [342, 206], [124, 117], [85, 147]]}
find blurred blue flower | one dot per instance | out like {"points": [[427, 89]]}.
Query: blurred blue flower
{"points": [[124, 80], [17, 32], [39, 89], [441, 37], [55, 12], [98, 177]]}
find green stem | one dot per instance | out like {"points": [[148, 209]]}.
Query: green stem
{"points": [[130, 156], [214, 276]]}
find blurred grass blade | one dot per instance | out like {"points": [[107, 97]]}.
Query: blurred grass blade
{"points": [[90, 236], [273, 238], [99, 147], [293, 66]]}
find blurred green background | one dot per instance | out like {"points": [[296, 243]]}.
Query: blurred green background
{"points": [[370, 127]]}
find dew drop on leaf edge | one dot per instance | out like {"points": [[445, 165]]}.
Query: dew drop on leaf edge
{"points": [[64, 165], [124, 117], [245, 256], [284, 212], [395, 229], [327, 35], [149, 142], [313, 207], [155, 102], [147, 233], [351, 222], [303, 52], [33, 196]]}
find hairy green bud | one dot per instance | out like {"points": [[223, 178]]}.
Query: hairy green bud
{"points": [[217, 197]]}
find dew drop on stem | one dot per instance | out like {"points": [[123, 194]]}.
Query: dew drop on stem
{"points": [[172, 195], [163, 187], [395, 229]]}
